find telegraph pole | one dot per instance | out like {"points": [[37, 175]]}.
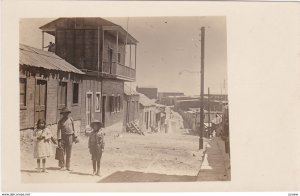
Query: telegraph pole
{"points": [[202, 90], [208, 128]]}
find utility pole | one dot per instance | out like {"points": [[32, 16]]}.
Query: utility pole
{"points": [[202, 90], [208, 108]]}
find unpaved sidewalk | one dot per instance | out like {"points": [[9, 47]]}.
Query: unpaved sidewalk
{"points": [[216, 164]]}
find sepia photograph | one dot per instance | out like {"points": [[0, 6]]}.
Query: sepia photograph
{"points": [[123, 99], [149, 96]]}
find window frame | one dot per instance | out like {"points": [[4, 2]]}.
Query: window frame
{"points": [[74, 104], [99, 101], [23, 107], [111, 103], [119, 58]]}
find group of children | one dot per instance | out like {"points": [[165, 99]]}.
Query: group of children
{"points": [[42, 137]]}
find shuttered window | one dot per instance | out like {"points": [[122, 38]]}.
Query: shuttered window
{"points": [[75, 93], [23, 87], [111, 103]]}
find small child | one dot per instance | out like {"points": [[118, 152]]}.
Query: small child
{"points": [[96, 145], [42, 144]]}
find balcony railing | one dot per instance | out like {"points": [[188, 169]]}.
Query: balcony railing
{"points": [[119, 70]]}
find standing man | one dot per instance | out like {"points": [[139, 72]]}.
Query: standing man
{"points": [[66, 135]]}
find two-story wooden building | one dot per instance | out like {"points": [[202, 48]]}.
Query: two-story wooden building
{"points": [[92, 59], [104, 51]]}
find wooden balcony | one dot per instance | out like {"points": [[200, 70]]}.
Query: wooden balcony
{"points": [[119, 71]]}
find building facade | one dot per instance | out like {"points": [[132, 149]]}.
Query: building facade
{"points": [[147, 116], [150, 92], [165, 98], [47, 84], [104, 51], [131, 106]]}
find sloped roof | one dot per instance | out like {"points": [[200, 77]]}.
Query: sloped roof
{"points": [[76, 22], [86, 23], [129, 91], [38, 58], [145, 101]]}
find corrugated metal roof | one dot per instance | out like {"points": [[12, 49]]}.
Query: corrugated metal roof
{"points": [[129, 91], [38, 58], [85, 23], [145, 101]]}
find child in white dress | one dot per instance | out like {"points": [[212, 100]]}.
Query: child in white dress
{"points": [[42, 144]]}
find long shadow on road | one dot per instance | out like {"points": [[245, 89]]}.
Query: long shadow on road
{"points": [[134, 176]]}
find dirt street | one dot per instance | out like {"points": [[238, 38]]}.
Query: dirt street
{"points": [[127, 158]]}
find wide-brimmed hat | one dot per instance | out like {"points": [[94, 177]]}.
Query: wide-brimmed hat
{"points": [[96, 122], [65, 110]]}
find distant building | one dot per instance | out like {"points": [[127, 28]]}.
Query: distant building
{"points": [[131, 105], [189, 108], [150, 92], [165, 97], [150, 114]]}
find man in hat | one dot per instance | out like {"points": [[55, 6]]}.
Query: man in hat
{"points": [[66, 135]]}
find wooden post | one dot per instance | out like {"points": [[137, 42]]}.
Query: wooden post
{"points": [[135, 57], [208, 112], [202, 90], [98, 51], [42, 40], [103, 32], [117, 47], [130, 56]]}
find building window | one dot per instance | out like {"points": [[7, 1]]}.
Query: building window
{"points": [[23, 90], [111, 103], [75, 93], [119, 103], [98, 102], [137, 106], [119, 57], [62, 94]]}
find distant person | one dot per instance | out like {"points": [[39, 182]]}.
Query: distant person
{"points": [[166, 126], [66, 135], [51, 47], [42, 145], [96, 145]]}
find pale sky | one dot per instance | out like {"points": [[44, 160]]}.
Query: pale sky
{"points": [[167, 46]]}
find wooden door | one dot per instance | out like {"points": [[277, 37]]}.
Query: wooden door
{"points": [[40, 100], [88, 108]]}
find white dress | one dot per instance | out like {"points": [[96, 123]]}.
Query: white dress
{"points": [[42, 147]]}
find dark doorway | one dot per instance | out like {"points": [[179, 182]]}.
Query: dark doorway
{"points": [[103, 109]]}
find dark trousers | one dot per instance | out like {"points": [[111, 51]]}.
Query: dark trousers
{"points": [[66, 142]]}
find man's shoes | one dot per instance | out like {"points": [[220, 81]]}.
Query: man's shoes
{"points": [[69, 169], [98, 174], [94, 173], [62, 169]]}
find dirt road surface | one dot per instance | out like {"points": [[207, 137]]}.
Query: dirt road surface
{"points": [[159, 157]]}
